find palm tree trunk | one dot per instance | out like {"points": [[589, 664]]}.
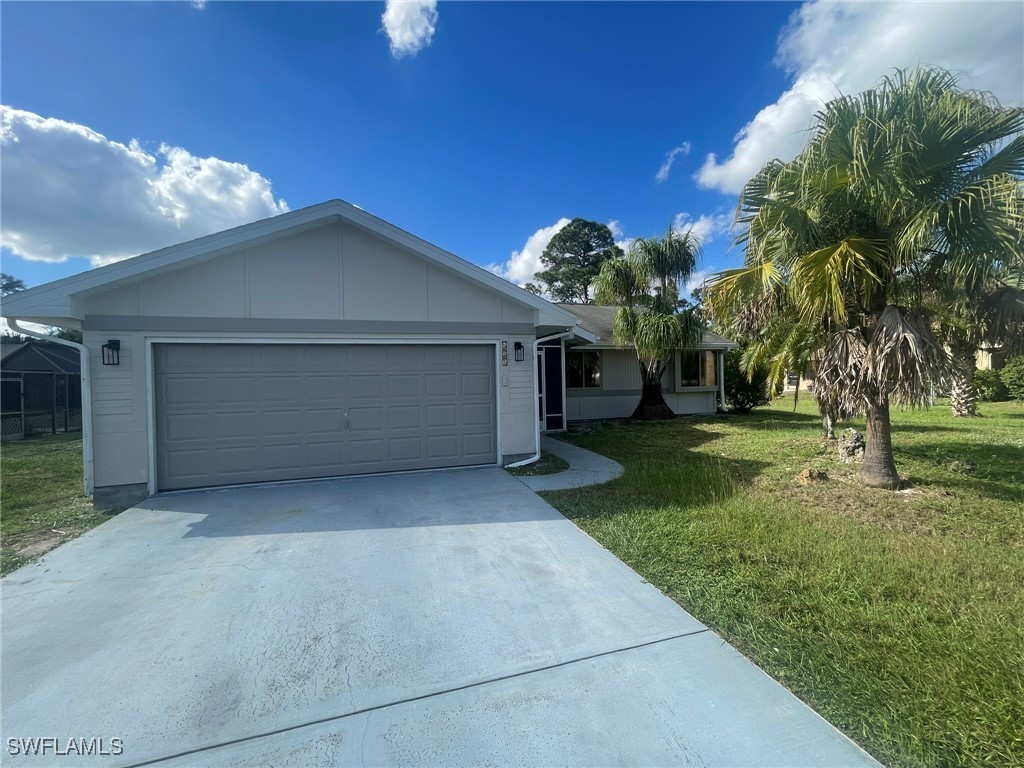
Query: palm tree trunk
{"points": [[879, 468], [652, 403], [828, 424], [962, 397]]}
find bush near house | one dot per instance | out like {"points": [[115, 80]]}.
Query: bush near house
{"points": [[742, 393], [1012, 376], [989, 387]]}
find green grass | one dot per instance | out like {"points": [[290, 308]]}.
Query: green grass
{"points": [[41, 499], [898, 616], [547, 464]]}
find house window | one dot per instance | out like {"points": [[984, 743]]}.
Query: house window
{"points": [[697, 369], [582, 369]]}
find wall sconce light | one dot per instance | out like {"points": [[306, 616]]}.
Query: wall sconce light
{"points": [[520, 352], [112, 352]]}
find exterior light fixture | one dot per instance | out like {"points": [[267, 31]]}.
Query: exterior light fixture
{"points": [[112, 352], [520, 352]]}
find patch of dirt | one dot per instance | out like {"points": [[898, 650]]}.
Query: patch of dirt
{"points": [[31, 545]]}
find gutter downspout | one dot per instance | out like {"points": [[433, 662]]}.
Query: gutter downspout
{"points": [[536, 394], [83, 354], [721, 380]]}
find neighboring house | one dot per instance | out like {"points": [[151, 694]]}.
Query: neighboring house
{"points": [[40, 389], [991, 357], [804, 381], [319, 343]]}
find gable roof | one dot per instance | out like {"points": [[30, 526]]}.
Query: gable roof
{"points": [[55, 300], [600, 321], [39, 356]]}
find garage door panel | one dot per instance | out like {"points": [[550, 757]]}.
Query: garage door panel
{"points": [[283, 423], [477, 384], [405, 416], [443, 415], [247, 413], [405, 386], [441, 384], [326, 388], [365, 386], [326, 454], [478, 444], [477, 415], [363, 452], [365, 418], [442, 446], [284, 457], [325, 420]]}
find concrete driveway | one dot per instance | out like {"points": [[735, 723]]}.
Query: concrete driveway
{"points": [[447, 618]]}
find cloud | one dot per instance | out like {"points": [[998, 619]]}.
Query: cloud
{"points": [[670, 157], [409, 25], [524, 263], [70, 191], [705, 227], [830, 48], [696, 281]]}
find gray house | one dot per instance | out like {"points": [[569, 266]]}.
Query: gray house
{"points": [[327, 342]]}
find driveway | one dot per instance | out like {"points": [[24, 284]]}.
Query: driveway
{"points": [[444, 618]]}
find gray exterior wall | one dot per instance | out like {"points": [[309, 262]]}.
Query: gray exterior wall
{"points": [[332, 283], [621, 388]]}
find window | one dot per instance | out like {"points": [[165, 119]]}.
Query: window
{"points": [[696, 369], [582, 369]]}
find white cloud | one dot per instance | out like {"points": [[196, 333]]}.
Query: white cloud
{"points": [[409, 25], [616, 228], [705, 227], [845, 47], [696, 281], [70, 191], [524, 263], [670, 157]]}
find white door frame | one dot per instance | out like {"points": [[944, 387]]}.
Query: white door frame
{"points": [[151, 341]]}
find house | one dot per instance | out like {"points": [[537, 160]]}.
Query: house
{"points": [[325, 342], [602, 379], [40, 389]]}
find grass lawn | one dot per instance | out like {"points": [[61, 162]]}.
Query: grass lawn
{"points": [[898, 616], [41, 500], [547, 464]]}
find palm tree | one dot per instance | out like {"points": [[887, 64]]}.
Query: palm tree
{"points": [[994, 314], [644, 284], [909, 185]]}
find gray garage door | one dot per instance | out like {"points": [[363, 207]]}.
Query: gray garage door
{"points": [[243, 413]]}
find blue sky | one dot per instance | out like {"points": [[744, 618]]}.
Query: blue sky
{"points": [[509, 118]]}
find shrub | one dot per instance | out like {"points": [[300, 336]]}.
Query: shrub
{"points": [[1012, 377], [741, 393], [989, 387]]}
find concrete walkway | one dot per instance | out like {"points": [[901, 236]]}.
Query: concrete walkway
{"points": [[585, 468]]}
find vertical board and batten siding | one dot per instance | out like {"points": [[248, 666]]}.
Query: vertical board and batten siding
{"points": [[331, 273]]}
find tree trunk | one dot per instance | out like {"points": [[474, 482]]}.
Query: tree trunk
{"points": [[962, 397], [828, 424], [652, 403], [879, 468]]}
